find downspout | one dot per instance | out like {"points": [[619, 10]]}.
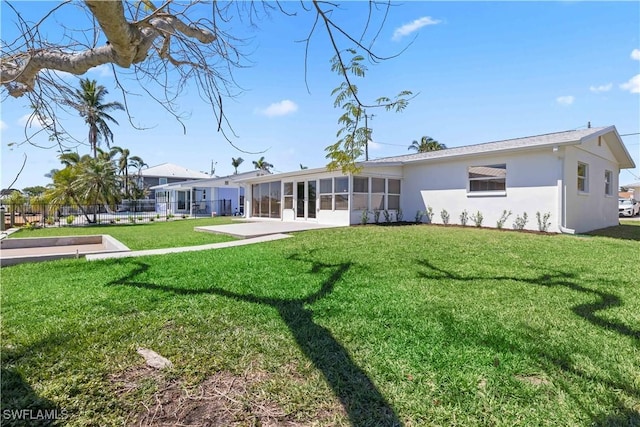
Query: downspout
{"points": [[562, 205]]}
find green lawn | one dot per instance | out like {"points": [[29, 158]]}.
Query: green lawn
{"points": [[364, 326], [151, 235]]}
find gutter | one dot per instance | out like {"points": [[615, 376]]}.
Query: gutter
{"points": [[563, 201]]}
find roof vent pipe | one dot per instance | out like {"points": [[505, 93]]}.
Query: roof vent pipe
{"points": [[589, 125]]}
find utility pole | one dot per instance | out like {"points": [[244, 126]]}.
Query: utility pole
{"points": [[366, 143]]}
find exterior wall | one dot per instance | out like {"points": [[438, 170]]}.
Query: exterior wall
{"points": [[591, 209], [531, 186]]}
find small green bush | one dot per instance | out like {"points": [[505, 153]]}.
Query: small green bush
{"points": [[520, 222], [364, 217], [399, 215], [477, 218], [70, 219], [376, 216], [543, 221], [429, 214], [464, 217], [444, 215], [387, 215], [419, 215], [503, 218]]}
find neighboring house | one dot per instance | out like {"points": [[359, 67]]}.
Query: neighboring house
{"points": [[166, 173], [633, 191], [571, 175], [213, 195]]}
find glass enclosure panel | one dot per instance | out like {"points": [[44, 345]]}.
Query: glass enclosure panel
{"points": [[360, 184], [394, 186], [377, 202], [360, 202], [394, 202], [255, 200], [326, 186], [377, 185], [342, 185], [288, 188], [326, 202], [311, 204], [264, 199], [300, 200], [275, 199], [342, 202]]}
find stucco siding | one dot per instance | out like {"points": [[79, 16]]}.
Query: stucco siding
{"points": [[531, 186], [591, 209]]}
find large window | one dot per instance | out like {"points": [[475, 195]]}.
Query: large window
{"points": [[608, 183], [326, 194], [266, 200], [288, 195], [488, 178], [342, 193], [360, 193], [394, 194], [377, 193], [583, 177]]}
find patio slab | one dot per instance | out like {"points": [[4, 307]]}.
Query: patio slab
{"points": [[245, 230]]}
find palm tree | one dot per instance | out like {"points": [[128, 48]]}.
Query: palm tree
{"points": [[89, 101], [123, 166], [137, 188], [262, 164], [426, 144], [97, 183], [235, 163], [303, 167]]}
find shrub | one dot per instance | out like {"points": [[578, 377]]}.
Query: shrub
{"points": [[399, 215], [30, 226], [140, 218], [419, 215], [151, 219], [117, 219], [444, 215], [376, 216], [477, 218], [157, 216], [364, 217], [387, 215], [132, 219], [464, 217], [503, 218], [50, 220], [520, 222], [70, 219], [429, 214], [543, 221]]}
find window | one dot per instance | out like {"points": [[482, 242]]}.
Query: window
{"points": [[360, 193], [608, 181], [342, 193], [394, 194], [488, 178], [326, 194], [583, 181], [288, 195], [162, 181], [266, 200]]}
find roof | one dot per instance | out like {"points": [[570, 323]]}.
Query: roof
{"points": [[570, 137], [169, 170], [215, 181]]}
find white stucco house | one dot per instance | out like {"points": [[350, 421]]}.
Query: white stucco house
{"points": [[571, 175], [209, 196]]}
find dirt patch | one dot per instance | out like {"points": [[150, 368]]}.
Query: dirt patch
{"points": [[222, 399], [533, 380]]}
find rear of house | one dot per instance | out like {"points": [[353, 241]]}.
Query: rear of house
{"points": [[569, 178]]}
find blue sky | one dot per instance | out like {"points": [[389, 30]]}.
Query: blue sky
{"points": [[482, 71]]}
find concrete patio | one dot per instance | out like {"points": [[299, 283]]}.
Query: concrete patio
{"points": [[256, 228]]}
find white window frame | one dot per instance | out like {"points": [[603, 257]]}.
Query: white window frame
{"points": [[479, 193], [608, 182], [584, 188]]}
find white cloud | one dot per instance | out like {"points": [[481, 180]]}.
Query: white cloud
{"points": [[601, 88], [411, 27], [565, 100], [3, 125], [374, 145], [103, 70], [633, 85], [32, 122], [281, 108], [635, 54]]}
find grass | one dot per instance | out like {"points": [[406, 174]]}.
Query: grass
{"points": [[153, 235], [359, 326]]}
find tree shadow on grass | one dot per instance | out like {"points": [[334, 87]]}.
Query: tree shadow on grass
{"points": [[558, 279], [546, 352], [360, 398], [20, 404]]}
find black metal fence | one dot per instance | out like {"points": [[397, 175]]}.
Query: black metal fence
{"points": [[127, 212]]}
